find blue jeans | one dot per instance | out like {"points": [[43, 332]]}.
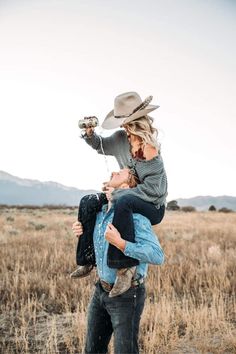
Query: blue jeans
{"points": [[119, 315], [125, 206], [89, 206]]}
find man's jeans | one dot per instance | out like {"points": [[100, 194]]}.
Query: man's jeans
{"points": [[120, 315]]}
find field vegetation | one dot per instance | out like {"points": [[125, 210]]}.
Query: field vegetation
{"points": [[190, 305]]}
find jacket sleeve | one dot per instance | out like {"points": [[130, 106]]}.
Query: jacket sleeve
{"points": [[153, 184], [146, 247], [108, 145]]}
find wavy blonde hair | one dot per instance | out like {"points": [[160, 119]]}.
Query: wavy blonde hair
{"points": [[143, 128]]}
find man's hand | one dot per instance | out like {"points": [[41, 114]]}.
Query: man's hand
{"points": [[77, 229], [113, 236]]}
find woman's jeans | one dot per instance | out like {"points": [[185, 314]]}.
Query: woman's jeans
{"points": [[119, 315], [89, 206], [125, 206]]}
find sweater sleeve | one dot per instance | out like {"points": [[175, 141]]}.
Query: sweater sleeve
{"points": [[153, 186], [107, 144]]}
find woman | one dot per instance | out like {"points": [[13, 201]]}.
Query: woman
{"points": [[134, 146]]}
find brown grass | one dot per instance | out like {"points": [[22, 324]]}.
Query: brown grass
{"points": [[190, 305]]}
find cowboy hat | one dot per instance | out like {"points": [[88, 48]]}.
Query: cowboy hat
{"points": [[127, 107]]}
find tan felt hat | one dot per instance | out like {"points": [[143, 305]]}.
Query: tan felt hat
{"points": [[127, 107]]}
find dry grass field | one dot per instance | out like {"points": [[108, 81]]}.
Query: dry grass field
{"points": [[190, 305]]}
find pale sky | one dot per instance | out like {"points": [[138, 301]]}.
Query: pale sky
{"points": [[62, 60]]}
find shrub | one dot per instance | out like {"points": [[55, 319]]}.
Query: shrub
{"points": [[212, 208], [172, 205], [36, 226], [225, 210], [188, 208]]}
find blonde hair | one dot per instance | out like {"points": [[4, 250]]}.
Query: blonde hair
{"points": [[143, 128]]}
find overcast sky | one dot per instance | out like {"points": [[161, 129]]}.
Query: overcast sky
{"points": [[62, 60]]}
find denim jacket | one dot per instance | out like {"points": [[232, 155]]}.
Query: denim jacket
{"points": [[146, 247]]}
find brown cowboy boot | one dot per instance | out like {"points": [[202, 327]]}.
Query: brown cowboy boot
{"points": [[82, 271], [123, 281]]}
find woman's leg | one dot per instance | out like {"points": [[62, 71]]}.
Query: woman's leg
{"points": [[125, 206], [89, 206]]}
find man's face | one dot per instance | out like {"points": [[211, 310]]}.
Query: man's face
{"points": [[118, 178]]}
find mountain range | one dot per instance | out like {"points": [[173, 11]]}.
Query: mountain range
{"points": [[204, 202], [21, 191]]}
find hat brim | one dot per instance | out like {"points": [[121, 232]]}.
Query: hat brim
{"points": [[111, 122]]}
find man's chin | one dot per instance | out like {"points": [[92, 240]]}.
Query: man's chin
{"points": [[104, 188]]}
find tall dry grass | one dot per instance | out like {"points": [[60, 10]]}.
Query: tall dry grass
{"points": [[190, 305]]}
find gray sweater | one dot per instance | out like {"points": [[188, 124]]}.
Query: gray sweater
{"points": [[151, 173]]}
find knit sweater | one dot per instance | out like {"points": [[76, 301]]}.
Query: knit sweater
{"points": [[151, 173]]}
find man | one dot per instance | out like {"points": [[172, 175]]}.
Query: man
{"points": [[121, 314]]}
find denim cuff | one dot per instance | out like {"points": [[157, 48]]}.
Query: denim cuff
{"points": [[128, 249]]}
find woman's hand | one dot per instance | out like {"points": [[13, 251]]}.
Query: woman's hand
{"points": [[113, 236], [77, 229], [89, 131]]}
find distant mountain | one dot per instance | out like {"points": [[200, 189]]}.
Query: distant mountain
{"points": [[20, 191], [203, 202]]}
